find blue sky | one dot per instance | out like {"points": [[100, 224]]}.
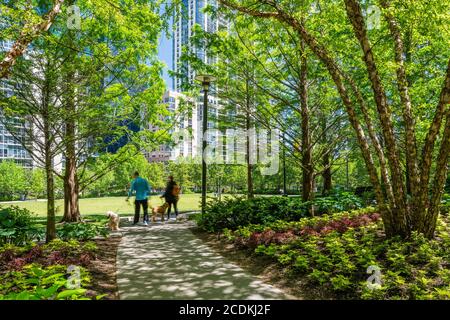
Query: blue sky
{"points": [[165, 54]]}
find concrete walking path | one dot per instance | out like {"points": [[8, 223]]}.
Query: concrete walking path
{"points": [[167, 261]]}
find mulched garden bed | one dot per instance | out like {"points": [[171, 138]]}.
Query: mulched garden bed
{"points": [[103, 268]]}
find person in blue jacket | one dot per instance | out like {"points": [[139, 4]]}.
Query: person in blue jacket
{"points": [[142, 189]]}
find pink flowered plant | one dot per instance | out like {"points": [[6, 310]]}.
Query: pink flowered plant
{"points": [[16, 264], [321, 228]]}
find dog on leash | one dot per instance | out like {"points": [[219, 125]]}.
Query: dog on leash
{"points": [[159, 210], [113, 222]]}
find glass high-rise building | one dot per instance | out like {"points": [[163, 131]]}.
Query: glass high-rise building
{"points": [[10, 147], [192, 14]]}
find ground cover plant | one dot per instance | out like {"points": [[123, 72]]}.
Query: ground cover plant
{"points": [[232, 213], [340, 253], [43, 271], [31, 269]]}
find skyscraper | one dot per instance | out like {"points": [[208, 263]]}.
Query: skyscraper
{"points": [[10, 147], [192, 14], [185, 141]]}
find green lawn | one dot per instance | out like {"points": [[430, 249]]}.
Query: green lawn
{"points": [[96, 206]]}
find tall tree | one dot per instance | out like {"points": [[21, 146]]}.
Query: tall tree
{"points": [[324, 34], [31, 30]]}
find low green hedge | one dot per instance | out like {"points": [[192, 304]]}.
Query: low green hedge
{"points": [[232, 213]]}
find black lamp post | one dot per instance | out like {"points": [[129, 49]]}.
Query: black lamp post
{"points": [[284, 166], [206, 81]]}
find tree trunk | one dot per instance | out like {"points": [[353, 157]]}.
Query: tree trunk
{"points": [[51, 219], [413, 177], [326, 175], [28, 34], [250, 191], [308, 169], [326, 163], [71, 190], [401, 216], [48, 155], [428, 223], [71, 186]]}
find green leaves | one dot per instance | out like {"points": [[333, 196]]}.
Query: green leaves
{"points": [[70, 294], [37, 283], [81, 231], [17, 226], [412, 269]]}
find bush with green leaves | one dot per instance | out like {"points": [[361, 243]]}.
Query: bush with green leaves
{"points": [[17, 226], [445, 203], [338, 258], [34, 282], [81, 231], [232, 213]]}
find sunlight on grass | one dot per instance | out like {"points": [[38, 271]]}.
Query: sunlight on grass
{"points": [[188, 202]]}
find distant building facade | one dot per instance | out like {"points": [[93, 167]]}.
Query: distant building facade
{"points": [[184, 130], [10, 146], [192, 14]]}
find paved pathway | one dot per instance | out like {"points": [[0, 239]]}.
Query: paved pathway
{"points": [[166, 261]]}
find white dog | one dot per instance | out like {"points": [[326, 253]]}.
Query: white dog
{"points": [[182, 217], [113, 222]]}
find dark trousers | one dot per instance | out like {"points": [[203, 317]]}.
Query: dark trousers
{"points": [[137, 210], [174, 203]]}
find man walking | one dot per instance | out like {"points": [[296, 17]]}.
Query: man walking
{"points": [[142, 189]]}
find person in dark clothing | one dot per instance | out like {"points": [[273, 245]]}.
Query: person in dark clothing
{"points": [[171, 195]]}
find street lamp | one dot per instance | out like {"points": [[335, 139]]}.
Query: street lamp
{"points": [[206, 81], [284, 166]]}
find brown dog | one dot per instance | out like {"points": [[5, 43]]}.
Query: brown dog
{"points": [[159, 210]]}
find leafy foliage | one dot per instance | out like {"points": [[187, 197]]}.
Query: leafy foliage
{"points": [[55, 252], [337, 250], [81, 231], [16, 226], [41, 271], [34, 282], [232, 213]]}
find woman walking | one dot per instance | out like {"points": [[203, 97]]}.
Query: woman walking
{"points": [[171, 195]]}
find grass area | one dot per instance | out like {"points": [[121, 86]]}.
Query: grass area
{"points": [[95, 206]]}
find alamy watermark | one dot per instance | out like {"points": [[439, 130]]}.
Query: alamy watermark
{"points": [[74, 280], [237, 146], [374, 281], [73, 18], [373, 16]]}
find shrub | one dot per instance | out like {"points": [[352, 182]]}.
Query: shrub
{"points": [[282, 232], [81, 231], [445, 204], [17, 226], [34, 282], [232, 213], [56, 252], [337, 250]]}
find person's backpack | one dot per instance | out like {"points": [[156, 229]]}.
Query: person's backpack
{"points": [[176, 190]]}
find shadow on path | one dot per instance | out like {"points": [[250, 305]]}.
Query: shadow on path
{"points": [[166, 261]]}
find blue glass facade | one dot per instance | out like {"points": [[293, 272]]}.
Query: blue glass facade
{"points": [[192, 14], [10, 148]]}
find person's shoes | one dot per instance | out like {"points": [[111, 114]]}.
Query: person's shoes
{"points": [[145, 223]]}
